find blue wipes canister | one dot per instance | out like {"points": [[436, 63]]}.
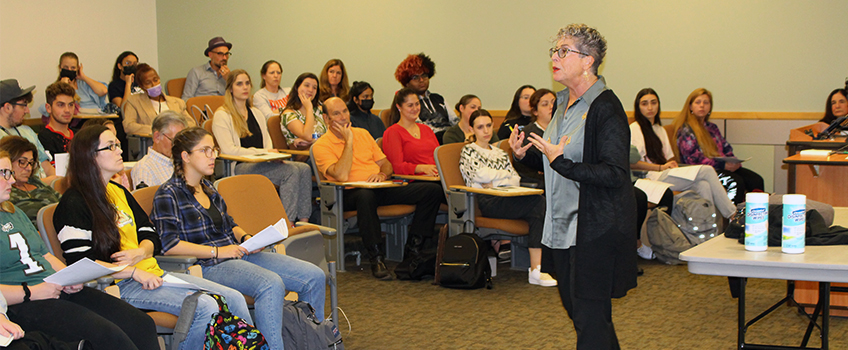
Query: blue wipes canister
{"points": [[756, 221], [794, 223]]}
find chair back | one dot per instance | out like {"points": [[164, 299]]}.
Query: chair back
{"points": [[203, 107], [319, 178], [672, 138], [175, 87], [385, 117], [275, 129], [447, 161], [144, 197], [252, 201], [208, 126], [48, 232]]}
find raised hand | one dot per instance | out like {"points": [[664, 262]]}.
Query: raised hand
{"points": [[550, 150]]}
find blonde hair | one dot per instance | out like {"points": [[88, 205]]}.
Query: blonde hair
{"points": [[7, 206], [705, 140], [239, 121]]}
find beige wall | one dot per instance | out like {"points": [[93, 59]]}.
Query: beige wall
{"points": [[754, 55]]}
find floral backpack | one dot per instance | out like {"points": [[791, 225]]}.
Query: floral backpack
{"points": [[229, 332]]}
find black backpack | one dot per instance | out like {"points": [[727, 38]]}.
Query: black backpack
{"points": [[464, 262], [302, 330]]}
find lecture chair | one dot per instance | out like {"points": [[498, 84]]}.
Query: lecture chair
{"points": [[253, 202], [60, 184], [463, 208], [164, 321], [395, 220], [175, 87], [203, 107], [672, 138], [278, 137]]}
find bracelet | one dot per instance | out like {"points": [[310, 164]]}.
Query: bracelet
{"points": [[216, 252], [133, 273], [27, 292], [212, 252]]}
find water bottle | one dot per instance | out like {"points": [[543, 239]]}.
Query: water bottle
{"points": [[756, 221], [794, 223]]}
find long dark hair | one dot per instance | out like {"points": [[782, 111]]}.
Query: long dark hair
{"points": [[84, 176], [653, 145], [400, 96], [265, 67], [184, 141], [357, 89], [294, 101], [116, 72], [514, 110], [828, 109]]}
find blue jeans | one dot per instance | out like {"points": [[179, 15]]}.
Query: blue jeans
{"points": [[266, 277], [170, 300]]}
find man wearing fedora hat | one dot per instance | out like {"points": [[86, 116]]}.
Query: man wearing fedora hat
{"points": [[14, 105], [210, 78]]}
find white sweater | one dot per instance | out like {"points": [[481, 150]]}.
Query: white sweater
{"points": [[479, 166], [229, 141]]}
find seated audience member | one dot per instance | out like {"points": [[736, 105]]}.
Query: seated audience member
{"points": [[91, 93], [121, 177], [14, 105], [242, 130], [461, 132], [100, 220], [519, 113], [57, 134], [836, 106], [156, 166], [210, 78], [140, 109], [542, 103], [360, 104], [123, 78], [270, 99], [350, 154], [655, 155], [334, 82], [409, 145], [302, 117], [485, 166], [191, 218], [700, 141], [415, 72], [666, 203], [69, 313], [28, 192]]}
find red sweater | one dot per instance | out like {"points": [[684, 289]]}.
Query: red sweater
{"points": [[405, 151]]}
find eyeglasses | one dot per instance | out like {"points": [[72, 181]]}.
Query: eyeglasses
{"points": [[562, 51], [7, 173], [420, 76], [112, 147], [23, 162], [24, 104], [225, 54], [210, 152]]}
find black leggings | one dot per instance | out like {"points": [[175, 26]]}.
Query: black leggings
{"points": [[105, 321], [666, 201], [739, 182]]}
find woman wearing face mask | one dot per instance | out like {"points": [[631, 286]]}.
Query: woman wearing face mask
{"points": [[461, 132], [334, 81], [700, 142], [360, 104], [140, 109], [91, 93], [302, 117], [123, 78], [519, 112], [271, 99]]}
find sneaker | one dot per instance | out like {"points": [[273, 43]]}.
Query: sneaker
{"points": [[539, 278], [645, 252]]}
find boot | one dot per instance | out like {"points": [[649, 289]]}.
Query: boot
{"points": [[378, 267]]}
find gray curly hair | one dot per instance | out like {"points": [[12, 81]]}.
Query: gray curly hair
{"points": [[586, 39]]}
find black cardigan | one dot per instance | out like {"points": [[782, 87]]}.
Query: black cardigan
{"points": [[605, 254]]}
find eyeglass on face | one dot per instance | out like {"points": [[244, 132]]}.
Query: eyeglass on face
{"points": [[21, 104], [112, 147], [210, 152], [562, 51], [22, 162], [7, 174], [420, 76], [224, 54]]}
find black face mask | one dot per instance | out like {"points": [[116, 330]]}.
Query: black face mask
{"points": [[127, 70], [366, 104], [67, 73]]}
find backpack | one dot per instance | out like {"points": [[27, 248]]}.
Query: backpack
{"points": [[464, 262], [695, 216], [667, 240], [225, 330], [302, 330]]}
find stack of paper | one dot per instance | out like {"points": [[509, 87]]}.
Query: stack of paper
{"points": [[270, 235]]}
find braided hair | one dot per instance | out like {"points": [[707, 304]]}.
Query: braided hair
{"points": [[185, 141]]}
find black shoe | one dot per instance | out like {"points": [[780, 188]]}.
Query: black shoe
{"points": [[640, 272], [379, 270], [84, 345]]}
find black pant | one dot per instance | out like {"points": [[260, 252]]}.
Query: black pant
{"points": [[745, 181], [425, 195], [105, 321], [592, 318], [666, 201], [527, 208]]}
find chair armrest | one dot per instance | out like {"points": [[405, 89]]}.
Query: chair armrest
{"points": [[175, 263], [499, 191], [326, 231]]}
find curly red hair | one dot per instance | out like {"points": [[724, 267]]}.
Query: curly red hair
{"points": [[414, 65]]}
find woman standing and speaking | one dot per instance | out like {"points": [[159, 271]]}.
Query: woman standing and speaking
{"points": [[588, 237]]}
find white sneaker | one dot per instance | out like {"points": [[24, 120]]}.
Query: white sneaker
{"points": [[645, 252], [539, 278]]}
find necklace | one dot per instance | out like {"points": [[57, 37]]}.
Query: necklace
{"points": [[573, 131], [414, 131]]}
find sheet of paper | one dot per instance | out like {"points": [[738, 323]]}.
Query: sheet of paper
{"points": [[61, 163], [731, 159], [654, 189], [512, 188], [90, 111], [684, 172], [816, 152], [268, 156], [169, 280], [270, 235], [4, 341], [80, 272], [367, 184]]}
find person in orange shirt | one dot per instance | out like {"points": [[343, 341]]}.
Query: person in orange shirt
{"points": [[350, 154]]}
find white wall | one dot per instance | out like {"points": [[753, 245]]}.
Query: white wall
{"points": [[33, 34], [759, 55]]}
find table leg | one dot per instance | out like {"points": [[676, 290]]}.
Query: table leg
{"points": [[824, 298], [740, 339]]}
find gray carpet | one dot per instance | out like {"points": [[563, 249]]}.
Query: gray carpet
{"points": [[671, 309]]}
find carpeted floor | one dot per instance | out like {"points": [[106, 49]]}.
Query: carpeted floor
{"points": [[671, 309]]}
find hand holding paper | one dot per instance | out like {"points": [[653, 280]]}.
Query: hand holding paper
{"points": [[80, 272], [270, 235]]}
